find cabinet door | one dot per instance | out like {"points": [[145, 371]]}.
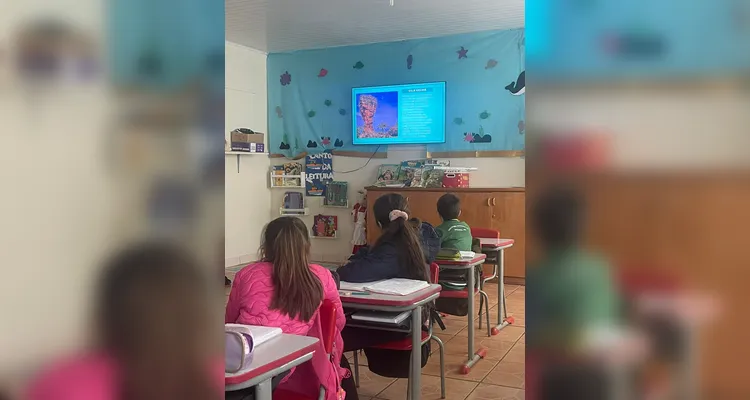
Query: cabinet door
{"points": [[509, 217], [476, 209], [423, 205]]}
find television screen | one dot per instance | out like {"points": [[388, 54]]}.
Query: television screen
{"points": [[401, 114]]}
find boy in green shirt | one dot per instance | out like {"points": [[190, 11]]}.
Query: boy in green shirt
{"points": [[454, 234], [570, 293]]}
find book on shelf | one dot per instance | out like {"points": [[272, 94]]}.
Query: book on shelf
{"points": [[325, 226], [387, 173], [336, 194], [290, 168]]}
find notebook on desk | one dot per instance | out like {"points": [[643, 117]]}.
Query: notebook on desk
{"points": [[382, 317], [260, 334], [355, 287], [396, 286]]}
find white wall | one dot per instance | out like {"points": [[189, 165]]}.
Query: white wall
{"points": [[686, 128], [493, 172], [247, 197]]}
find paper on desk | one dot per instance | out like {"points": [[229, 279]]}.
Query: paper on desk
{"points": [[260, 334], [397, 286], [467, 254], [355, 287]]}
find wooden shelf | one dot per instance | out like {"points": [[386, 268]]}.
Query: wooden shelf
{"points": [[469, 189], [244, 153], [301, 178], [294, 211]]}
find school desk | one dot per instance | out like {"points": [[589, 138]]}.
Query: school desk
{"points": [[690, 312], [270, 359], [498, 247], [469, 265], [412, 302]]}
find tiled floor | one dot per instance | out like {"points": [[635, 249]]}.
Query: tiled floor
{"points": [[500, 376]]}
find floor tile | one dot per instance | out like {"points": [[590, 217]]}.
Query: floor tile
{"points": [[507, 373], [519, 316], [493, 392], [517, 353], [361, 357], [453, 363], [454, 389], [370, 384], [496, 349]]}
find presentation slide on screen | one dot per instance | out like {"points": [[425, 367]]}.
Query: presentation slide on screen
{"points": [[402, 114]]}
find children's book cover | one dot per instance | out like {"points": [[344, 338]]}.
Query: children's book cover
{"points": [[336, 194], [387, 174], [408, 171], [325, 226], [408, 167]]}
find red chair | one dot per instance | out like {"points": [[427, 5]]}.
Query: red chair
{"points": [[405, 344], [327, 315], [485, 233]]}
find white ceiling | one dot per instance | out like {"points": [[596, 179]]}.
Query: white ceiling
{"points": [[284, 25]]}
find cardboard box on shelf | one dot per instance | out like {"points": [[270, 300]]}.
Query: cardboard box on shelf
{"points": [[247, 140]]}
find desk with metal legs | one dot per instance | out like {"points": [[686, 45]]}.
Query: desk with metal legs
{"points": [[469, 266], [498, 247]]}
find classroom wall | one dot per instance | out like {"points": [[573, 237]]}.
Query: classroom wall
{"points": [[50, 180], [683, 127], [493, 172], [247, 197], [310, 103]]}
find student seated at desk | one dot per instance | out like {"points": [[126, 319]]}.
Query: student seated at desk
{"points": [[284, 290], [454, 234], [396, 254], [398, 251], [570, 298]]}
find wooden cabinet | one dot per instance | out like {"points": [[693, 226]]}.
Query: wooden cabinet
{"points": [[690, 226], [502, 209]]}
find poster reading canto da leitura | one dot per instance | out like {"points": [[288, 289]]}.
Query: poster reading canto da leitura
{"points": [[318, 172]]}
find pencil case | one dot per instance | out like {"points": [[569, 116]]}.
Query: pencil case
{"points": [[238, 349]]}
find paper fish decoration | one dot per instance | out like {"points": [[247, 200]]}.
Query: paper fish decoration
{"points": [[279, 112], [328, 103], [491, 63], [458, 121], [311, 113], [342, 111], [409, 60], [484, 115], [359, 65], [323, 72]]}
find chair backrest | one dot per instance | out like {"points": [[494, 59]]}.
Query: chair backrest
{"points": [[634, 281], [434, 272], [328, 324], [485, 233]]}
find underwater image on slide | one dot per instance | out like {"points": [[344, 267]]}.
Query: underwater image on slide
{"points": [[377, 115]]}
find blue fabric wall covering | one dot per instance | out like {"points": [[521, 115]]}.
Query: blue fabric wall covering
{"points": [[309, 92]]}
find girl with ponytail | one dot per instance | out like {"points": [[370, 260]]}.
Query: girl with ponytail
{"points": [[396, 254]]}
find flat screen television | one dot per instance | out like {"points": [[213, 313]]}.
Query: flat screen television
{"points": [[399, 114]]}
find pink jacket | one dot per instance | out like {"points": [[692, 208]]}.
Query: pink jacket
{"points": [[250, 304], [90, 376]]}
